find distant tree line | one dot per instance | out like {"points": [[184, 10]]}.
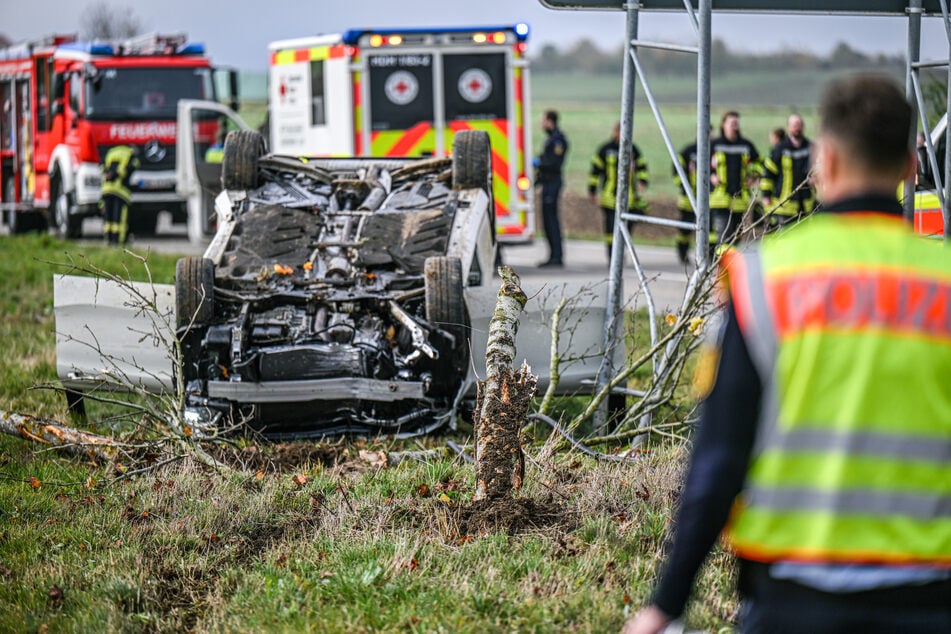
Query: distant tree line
{"points": [[585, 57]]}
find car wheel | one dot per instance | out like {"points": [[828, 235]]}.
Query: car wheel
{"points": [[239, 166], [472, 166], [9, 216], [194, 291], [445, 303], [66, 225], [472, 160]]}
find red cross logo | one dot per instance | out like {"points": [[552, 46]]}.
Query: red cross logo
{"points": [[401, 87], [475, 85]]}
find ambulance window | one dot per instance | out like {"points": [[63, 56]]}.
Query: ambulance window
{"points": [[475, 86], [318, 111], [401, 91]]}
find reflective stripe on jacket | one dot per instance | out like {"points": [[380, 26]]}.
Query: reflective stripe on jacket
{"points": [[117, 170], [847, 318], [604, 173], [734, 164]]}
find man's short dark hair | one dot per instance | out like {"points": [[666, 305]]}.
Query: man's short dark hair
{"points": [[870, 116], [552, 115], [728, 114]]}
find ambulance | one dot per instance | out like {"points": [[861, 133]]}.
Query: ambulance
{"points": [[406, 92]]}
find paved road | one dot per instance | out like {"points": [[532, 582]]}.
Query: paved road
{"points": [[588, 262], [585, 262]]}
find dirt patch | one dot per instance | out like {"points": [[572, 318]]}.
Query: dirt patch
{"points": [[581, 217], [280, 457], [512, 516]]}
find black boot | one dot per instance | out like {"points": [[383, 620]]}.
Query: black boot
{"points": [[682, 248]]}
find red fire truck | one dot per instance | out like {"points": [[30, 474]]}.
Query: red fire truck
{"points": [[65, 103], [406, 92]]}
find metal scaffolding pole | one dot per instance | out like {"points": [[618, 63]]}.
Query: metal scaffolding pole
{"points": [[702, 253], [946, 207], [614, 316], [914, 11]]}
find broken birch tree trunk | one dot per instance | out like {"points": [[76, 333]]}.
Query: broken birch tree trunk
{"points": [[51, 433], [503, 399]]}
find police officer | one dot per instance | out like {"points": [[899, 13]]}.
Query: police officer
{"points": [[549, 175], [786, 176], [117, 168], [824, 443], [604, 177], [735, 163]]}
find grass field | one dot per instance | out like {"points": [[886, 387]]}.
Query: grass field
{"points": [[307, 537]]}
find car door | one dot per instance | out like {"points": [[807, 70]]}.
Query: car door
{"points": [[199, 148]]}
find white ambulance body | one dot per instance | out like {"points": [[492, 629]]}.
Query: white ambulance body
{"points": [[406, 92]]}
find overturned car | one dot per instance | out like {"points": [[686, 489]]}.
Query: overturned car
{"points": [[332, 295], [336, 296]]}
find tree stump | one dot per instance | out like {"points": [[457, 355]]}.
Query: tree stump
{"points": [[503, 399]]}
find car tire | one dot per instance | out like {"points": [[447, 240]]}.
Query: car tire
{"points": [[472, 160], [66, 225], [9, 215], [239, 166], [445, 301], [194, 291]]}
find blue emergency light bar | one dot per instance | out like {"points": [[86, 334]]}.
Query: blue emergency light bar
{"points": [[101, 48], [191, 48], [92, 48], [353, 36]]}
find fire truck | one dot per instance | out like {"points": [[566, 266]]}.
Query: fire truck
{"points": [[406, 92], [65, 103]]}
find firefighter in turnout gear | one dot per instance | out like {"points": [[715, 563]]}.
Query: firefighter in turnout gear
{"points": [[785, 181], [117, 168], [602, 183], [823, 446], [735, 164]]}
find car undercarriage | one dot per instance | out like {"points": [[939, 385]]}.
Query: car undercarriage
{"points": [[332, 297]]}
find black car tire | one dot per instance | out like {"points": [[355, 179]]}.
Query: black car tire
{"points": [[9, 216], [66, 225], [194, 291], [445, 301], [472, 160], [239, 166]]}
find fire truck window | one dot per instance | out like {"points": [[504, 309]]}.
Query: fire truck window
{"points": [[401, 91], [75, 92], [318, 113], [475, 86], [143, 93], [44, 103]]}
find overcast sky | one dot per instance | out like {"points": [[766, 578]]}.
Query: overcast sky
{"points": [[237, 32]]}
